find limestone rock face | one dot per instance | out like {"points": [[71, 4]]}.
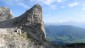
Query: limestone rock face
{"points": [[34, 21], [5, 14], [25, 31]]}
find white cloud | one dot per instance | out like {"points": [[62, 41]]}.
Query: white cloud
{"points": [[62, 6], [16, 2], [19, 2], [48, 2], [60, 0], [73, 4], [51, 1], [23, 5], [53, 7], [51, 4], [83, 8], [83, 4]]}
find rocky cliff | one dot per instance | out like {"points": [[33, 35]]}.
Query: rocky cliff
{"points": [[25, 31]]}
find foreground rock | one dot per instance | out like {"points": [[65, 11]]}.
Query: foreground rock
{"points": [[25, 31]]}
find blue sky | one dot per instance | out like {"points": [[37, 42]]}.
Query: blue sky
{"points": [[54, 11]]}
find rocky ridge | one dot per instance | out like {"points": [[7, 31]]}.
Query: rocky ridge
{"points": [[25, 31], [5, 13]]}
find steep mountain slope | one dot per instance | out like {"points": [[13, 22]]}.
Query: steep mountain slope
{"points": [[65, 34], [25, 31]]}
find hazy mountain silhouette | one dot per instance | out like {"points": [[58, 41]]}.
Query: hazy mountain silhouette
{"points": [[65, 34]]}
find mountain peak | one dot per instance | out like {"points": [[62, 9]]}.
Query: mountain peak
{"points": [[34, 13], [33, 17], [37, 5], [25, 31], [37, 8]]}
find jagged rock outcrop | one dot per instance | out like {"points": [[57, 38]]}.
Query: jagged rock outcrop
{"points": [[25, 31], [5, 13]]}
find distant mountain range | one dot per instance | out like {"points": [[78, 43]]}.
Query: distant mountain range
{"points": [[65, 34]]}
